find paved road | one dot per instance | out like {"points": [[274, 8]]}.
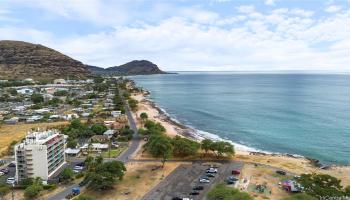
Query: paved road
{"points": [[124, 157], [180, 182]]}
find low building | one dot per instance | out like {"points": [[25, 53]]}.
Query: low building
{"points": [[13, 120], [41, 154], [95, 147], [72, 152], [109, 133], [116, 113]]}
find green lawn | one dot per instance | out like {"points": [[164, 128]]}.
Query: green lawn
{"points": [[114, 152]]}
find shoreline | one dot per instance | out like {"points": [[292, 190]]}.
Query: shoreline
{"points": [[192, 133], [289, 162]]}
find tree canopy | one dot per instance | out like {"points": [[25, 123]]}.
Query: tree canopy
{"points": [[301, 196], [184, 146], [321, 185], [160, 146], [103, 175]]}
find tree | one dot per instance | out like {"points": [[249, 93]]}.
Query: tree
{"points": [[98, 79], [61, 93], [154, 128], [143, 117], [4, 189], [222, 147], [160, 146], [98, 129], [321, 185], [206, 144], [103, 175], [133, 104], [12, 91], [301, 196], [72, 143], [221, 191], [184, 146], [84, 197], [67, 175], [33, 191], [347, 191], [37, 98]]}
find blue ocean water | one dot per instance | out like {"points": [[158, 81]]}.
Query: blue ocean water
{"points": [[304, 114]]}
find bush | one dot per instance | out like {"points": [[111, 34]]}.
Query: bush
{"points": [[4, 189], [67, 175], [50, 187], [32, 191], [221, 191], [301, 196]]}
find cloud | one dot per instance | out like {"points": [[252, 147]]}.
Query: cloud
{"points": [[197, 38], [333, 8], [270, 2]]}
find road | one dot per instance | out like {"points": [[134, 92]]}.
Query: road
{"points": [[124, 157]]}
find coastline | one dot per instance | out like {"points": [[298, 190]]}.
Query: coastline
{"points": [[293, 163]]}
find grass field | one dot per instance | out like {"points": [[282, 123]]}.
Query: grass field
{"points": [[9, 133], [114, 152], [139, 176]]}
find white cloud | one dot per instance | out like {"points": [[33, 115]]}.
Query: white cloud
{"points": [[195, 38], [333, 8], [270, 2]]}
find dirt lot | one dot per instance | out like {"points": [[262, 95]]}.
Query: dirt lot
{"points": [[8, 133], [138, 180], [264, 175]]}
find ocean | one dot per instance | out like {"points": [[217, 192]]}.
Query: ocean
{"points": [[301, 114]]}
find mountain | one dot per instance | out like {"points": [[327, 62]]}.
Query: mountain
{"points": [[20, 60], [136, 67]]}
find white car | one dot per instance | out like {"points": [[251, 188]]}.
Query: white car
{"points": [[78, 168], [204, 180], [2, 173], [11, 181], [212, 170]]}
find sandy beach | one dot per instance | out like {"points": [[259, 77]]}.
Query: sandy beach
{"points": [[296, 165]]}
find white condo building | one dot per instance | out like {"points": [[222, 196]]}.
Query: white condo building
{"points": [[41, 154]]}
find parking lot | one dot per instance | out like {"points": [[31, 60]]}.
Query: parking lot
{"points": [[183, 179]]}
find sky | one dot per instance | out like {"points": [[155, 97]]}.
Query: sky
{"points": [[188, 35]]}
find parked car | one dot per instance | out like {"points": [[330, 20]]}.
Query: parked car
{"points": [[236, 172], [11, 180], [212, 170], [231, 180], [198, 187], [194, 193], [81, 164], [176, 198], [78, 167], [83, 182], [204, 180], [2, 173], [210, 175], [5, 170], [281, 172]]}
